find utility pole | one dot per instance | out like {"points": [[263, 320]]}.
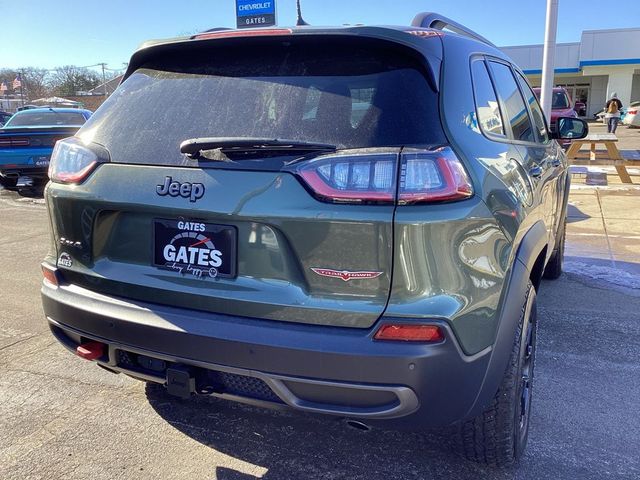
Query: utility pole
{"points": [[22, 86], [104, 79], [548, 57]]}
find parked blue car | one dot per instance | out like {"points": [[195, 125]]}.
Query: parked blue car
{"points": [[27, 140]]}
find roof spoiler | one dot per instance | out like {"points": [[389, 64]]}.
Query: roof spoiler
{"points": [[439, 22]]}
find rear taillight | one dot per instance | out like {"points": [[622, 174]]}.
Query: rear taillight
{"points": [[632, 112], [434, 176], [352, 178], [425, 176], [72, 161], [57, 139], [14, 142]]}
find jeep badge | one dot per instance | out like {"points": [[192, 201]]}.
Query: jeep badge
{"points": [[192, 191]]}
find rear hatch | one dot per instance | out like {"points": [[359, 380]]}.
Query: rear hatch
{"points": [[299, 229]]}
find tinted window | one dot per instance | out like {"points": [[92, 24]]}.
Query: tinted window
{"points": [[512, 100], [336, 93], [45, 118], [488, 111], [559, 100], [534, 107]]}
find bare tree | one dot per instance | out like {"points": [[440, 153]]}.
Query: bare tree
{"points": [[69, 79], [35, 82]]}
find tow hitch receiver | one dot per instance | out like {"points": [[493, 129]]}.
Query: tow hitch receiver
{"points": [[90, 350], [180, 382]]}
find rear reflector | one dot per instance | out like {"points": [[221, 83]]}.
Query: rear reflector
{"points": [[49, 274], [410, 333], [90, 350]]}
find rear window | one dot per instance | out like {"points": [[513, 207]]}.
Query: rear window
{"points": [[351, 95], [35, 119], [559, 100]]}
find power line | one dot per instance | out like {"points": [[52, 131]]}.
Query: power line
{"points": [[75, 66]]}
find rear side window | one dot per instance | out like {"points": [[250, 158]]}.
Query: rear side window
{"points": [[352, 94], [487, 108], [513, 103], [534, 107]]}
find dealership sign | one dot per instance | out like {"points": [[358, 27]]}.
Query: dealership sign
{"points": [[255, 13]]}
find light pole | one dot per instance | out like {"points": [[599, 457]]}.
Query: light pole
{"points": [[548, 57]]}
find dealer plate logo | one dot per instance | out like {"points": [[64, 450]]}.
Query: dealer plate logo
{"points": [[64, 260]]}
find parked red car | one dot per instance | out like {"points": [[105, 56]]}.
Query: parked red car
{"points": [[561, 105]]}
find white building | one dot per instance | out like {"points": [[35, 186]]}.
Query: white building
{"points": [[603, 62]]}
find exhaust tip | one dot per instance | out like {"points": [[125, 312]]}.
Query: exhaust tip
{"points": [[357, 425]]}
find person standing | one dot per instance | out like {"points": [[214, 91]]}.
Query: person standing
{"points": [[612, 112]]}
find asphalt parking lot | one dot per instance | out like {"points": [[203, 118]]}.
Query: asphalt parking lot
{"points": [[62, 418]]}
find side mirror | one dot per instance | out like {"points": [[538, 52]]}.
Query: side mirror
{"points": [[569, 128]]}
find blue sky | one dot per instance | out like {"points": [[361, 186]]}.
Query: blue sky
{"points": [[49, 33]]}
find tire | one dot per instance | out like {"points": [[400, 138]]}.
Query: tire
{"points": [[553, 270], [498, 436], [8, 183]]}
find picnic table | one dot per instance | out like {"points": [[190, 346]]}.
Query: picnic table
{"points": [[613, 154]]}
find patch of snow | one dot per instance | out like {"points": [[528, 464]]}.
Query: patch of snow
{"points": [[604, 273]]}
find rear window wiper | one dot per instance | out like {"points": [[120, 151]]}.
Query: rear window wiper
{"points": [[192, 147]]}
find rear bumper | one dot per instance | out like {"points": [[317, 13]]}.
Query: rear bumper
{"points": [[339, 371], [27, 158], [16, 171]]}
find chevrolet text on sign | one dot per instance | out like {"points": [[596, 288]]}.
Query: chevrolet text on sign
{"points": [[255, 13]]}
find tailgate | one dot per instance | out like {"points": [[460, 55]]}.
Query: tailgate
{"points": [[294, 255]]}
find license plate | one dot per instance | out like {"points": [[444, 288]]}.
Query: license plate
{"points": [[201, 250], [41, 161]]}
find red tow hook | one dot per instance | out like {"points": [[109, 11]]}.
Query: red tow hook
{"points": [[90, 350]]}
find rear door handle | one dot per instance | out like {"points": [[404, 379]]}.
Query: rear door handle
{"points": [[535, 171]]}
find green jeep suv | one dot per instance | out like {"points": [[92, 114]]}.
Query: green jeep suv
{"points": [[349, 221]]}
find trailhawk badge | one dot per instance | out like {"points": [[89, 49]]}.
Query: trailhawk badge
{"points": [[345, 275]]}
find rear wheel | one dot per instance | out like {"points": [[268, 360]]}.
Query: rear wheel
{"points": [[8, 182], [553, 269], [498, 436]]}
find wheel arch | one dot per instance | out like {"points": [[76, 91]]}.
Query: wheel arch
{"points": [[527, 269]]}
